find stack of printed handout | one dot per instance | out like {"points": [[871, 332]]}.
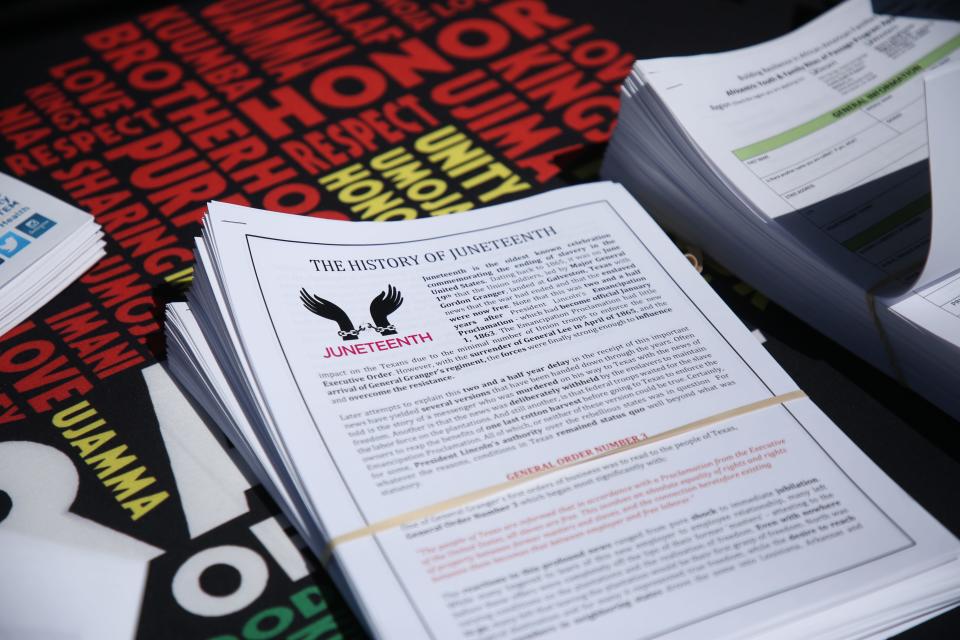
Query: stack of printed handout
{"points": [[802, 165], [537, 420], [45, 244]]}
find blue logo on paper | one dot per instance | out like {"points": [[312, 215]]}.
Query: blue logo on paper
{"points": [[36, 225], [11, 243]]}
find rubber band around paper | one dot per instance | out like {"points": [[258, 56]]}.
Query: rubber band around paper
{"points": [[479, 494]]}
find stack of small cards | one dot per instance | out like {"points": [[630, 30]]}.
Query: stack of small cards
{"points": [[45, 244]]}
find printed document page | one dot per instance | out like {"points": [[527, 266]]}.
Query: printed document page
{"points": [[935, 302], [835, 107], [474, 407]]}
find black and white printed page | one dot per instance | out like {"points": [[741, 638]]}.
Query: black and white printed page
{"points": [[535, 347], [934, 302], [823, 129]]}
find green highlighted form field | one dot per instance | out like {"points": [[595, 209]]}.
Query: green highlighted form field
{"points": [[854, 105], [888, 224]]}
